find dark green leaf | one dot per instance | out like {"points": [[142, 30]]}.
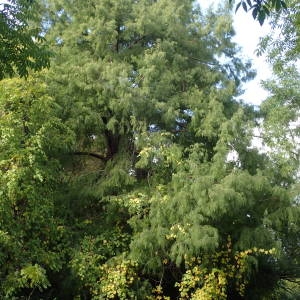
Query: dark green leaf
{"points": [[254, 13], [261, 17], [278, 5], [238, 6]]}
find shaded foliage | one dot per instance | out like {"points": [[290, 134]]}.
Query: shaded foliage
{"points": [[21, 45]]}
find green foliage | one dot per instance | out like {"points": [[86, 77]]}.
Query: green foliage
{"points": [[281, 122], [116, 178], [35, 275], [283, 50], [30, 276], [29, 176], [281, 108], [281, 134], [21, 45], [261, 9]]}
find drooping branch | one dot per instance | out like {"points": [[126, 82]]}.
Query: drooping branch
{"points": [[204, 62]]}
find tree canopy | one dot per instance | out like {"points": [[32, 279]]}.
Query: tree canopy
{"points": [[127, 169]]}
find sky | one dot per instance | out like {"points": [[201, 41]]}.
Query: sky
{"points": [[248, 32]]}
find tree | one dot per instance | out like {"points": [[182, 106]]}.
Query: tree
{"points": [[21, 47], [284, 49], [281, 109], [281, 112], [32, 141]]}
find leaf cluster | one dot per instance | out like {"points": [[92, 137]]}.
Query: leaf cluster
{"points": [[261, 9], [21, 45]]}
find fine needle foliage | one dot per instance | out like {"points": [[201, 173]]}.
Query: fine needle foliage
{"points": [[117, 178]]}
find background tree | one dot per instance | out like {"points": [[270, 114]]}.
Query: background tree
{"points": [[281, 125], [21, 47], [32, 141]]}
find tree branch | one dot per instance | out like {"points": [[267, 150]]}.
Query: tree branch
{"points": [[93, 154], [203, 62], [136, 41]]}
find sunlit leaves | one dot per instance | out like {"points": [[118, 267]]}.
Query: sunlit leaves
{"points": [[29, 168], [211, 276]]}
